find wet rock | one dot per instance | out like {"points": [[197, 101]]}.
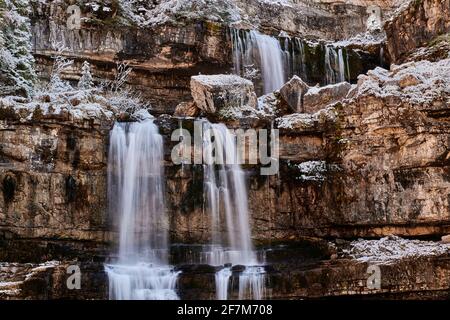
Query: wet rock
{"points": [[292, 93], [186, 109], [445, 239], [222, 92], [320, 97]]}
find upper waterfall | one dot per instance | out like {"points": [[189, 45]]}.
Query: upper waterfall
{"points": [[275, 60]]}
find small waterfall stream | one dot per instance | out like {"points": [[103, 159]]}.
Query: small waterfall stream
{"points": [[136, 200], [227, 203]]}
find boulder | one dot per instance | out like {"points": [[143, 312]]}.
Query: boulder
{"points": [[318, 98], [213, 93], [446, 239], [292, 93], [187, 109]]}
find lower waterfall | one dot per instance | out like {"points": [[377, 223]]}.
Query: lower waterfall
{"points": [[227, 204], [136, 201]]}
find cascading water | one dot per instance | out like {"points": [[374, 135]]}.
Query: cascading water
{"points": [[227, 203], [253, 48], [279, 59], [136, 200], [335, 65]]}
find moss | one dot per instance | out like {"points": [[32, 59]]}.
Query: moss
{"points": [[214, 26]]}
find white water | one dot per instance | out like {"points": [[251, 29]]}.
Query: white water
{"points": [[335, 66], [227, 203], [258, 50], [222, 282], [253, 51], [341, 65], [252, 283], [136, 198]]}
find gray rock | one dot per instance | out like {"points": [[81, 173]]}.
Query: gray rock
{"points": [[292, 93], [318, 98], [216, 92]]}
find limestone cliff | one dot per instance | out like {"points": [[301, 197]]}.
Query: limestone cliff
{"points": [[416, 26]]}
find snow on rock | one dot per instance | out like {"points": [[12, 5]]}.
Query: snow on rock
{"points": [[307, 122], [317, 98], [286, 3], [419, 82], [316, 170], [34, 110], [14, 275], [150, 14], [394, 248], [268, 108], [214, 93]]}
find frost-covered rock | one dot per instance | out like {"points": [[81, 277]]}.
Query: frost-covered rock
{"points": [[304, 122], [216, 92], [394, 248], [319, 97], [421, 82], [293, 91], [316, 170], [150, 13]]}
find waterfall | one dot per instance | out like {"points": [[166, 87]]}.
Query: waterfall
{"points": [[136, 201], [329, 72], [222, 282], [251, 284], [341, 65], [335, 65], [275, 60], [254, 48], [227, 203]]}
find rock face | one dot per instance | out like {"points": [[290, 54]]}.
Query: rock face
{"points": [[318, 98], [218, 92], [163, 57], [378, 166], [416, 26], [53, 173], [372, 165], [293, 92], [364, 161], [186, 109]]}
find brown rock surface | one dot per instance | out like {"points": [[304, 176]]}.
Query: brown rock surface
{"points": [[319, 98], [293, 92], [416, 25], [216, 93]]}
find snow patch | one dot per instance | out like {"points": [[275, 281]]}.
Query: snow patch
{"points": [[394, 248]]}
